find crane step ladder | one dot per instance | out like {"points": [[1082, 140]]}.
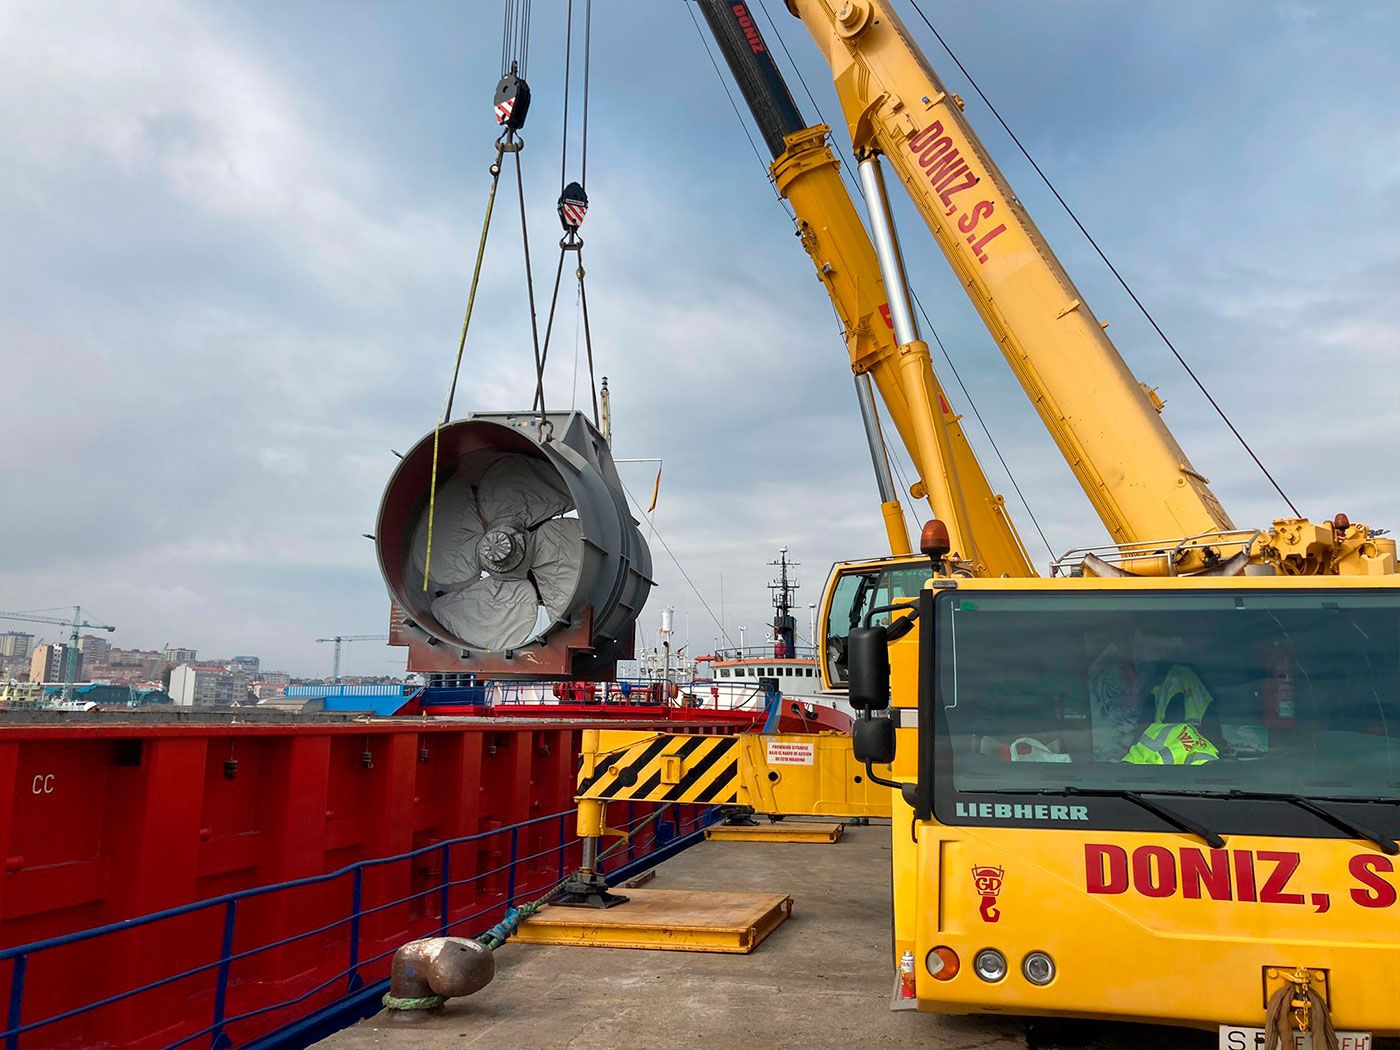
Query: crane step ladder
{"points": [[811, 774]]}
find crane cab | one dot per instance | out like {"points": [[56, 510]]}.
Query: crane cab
{"points": [[1113, 783]]}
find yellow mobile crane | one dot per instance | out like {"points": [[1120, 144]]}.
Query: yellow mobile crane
{"points": [[1162, 785]]}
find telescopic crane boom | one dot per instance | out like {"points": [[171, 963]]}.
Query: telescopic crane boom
{"points": [[807, 175], [1158, 509]]}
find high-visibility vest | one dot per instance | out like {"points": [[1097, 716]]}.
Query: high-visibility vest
{"points": [[1166, 743]]}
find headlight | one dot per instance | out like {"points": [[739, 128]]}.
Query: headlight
{"points": [[1038, 968], [990, 965]]}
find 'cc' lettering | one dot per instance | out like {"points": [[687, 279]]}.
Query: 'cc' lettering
{"points": [[43, 784]]}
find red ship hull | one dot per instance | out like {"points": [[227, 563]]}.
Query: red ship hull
{"points": [[112, 817], [109, 820]]}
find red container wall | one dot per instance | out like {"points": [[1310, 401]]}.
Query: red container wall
{"points": [[108, 823]]}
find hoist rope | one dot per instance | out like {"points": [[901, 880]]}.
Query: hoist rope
{"points": [[461, 346], [587, 66], [1107, 262], [571, 240], [515, 37], [568, 65], [505, 36]]}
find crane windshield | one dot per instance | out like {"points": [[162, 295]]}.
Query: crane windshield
{"points": [[1206, 694]]}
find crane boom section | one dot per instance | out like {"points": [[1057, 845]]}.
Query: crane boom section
{"points": [[1105, 423], [807, 175]]}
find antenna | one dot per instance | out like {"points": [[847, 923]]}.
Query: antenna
{"points": [[784, 588]]}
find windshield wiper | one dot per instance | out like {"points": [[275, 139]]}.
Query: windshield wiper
{"points": [[1177, 820], [1362, 831], [1313, 806]]}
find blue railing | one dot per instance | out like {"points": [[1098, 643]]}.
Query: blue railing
{"points": [[667, 837]]}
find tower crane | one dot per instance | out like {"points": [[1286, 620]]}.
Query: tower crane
{"points": [[340, 639], [70, 662]]}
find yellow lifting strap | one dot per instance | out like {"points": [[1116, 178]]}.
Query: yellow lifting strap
{"points": [[461, 345]]}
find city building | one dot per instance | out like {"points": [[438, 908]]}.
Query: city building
{"points": [[47, 664], [175, 657], [269, 684], [247, 664], [16, 645], [94, 649], [207, 685], [133, 666]]}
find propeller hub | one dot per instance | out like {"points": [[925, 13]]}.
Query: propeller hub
{"points": [[502, 549]]}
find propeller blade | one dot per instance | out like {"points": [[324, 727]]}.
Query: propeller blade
{"points": [[522, 490], [557, 563], [490, 613], [456, 533]]}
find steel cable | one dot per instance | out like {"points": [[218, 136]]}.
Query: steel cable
{"points": [[1107, 262]]}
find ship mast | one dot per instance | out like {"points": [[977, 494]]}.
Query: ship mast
{"points": [[783, 588]]}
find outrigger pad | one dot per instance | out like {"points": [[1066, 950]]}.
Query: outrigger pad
{"points": [[587, 891]]}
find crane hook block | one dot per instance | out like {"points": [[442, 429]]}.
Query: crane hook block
{"points": [[512, 101], [573, 206]]}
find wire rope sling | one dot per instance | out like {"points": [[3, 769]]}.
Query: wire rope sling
{"points": [[504, 537]]}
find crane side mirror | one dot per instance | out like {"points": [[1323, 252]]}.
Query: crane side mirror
{"points": [[872, 740], [868, 668]]}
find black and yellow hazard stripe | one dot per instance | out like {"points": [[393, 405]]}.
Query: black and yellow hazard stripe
{"points": [[708, 771]]}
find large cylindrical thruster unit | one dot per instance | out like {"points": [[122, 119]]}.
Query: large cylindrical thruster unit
{"points": [[534, 567]]}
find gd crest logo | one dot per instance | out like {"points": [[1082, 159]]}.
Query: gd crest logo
{"points": [[988, 881]]}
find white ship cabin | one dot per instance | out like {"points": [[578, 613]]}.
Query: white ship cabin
{"points": [[734, 674]]}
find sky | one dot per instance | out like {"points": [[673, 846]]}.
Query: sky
{"points": [[236, 239]]}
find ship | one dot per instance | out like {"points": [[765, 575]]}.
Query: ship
{"points": [[741, 676]]}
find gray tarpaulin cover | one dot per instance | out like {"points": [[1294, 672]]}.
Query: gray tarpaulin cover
{"points": [[499, 609]]}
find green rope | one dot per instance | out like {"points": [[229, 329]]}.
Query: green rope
{"points": [[498, 935], [461, 346], [427, 1002]]}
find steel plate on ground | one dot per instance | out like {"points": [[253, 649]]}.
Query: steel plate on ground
{"points": [[668, 920], [784, 831]]}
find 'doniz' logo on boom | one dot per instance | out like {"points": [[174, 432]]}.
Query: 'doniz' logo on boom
{"points": [[750, 30], [949, 175], [988, 881]]}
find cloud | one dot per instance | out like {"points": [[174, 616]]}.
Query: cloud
{"points": [[238, 242]]}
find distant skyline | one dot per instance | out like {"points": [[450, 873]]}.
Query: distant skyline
{"points": [[238, 239]]}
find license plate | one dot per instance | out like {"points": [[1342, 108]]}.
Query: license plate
{"points": [[1233, 1037]]}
